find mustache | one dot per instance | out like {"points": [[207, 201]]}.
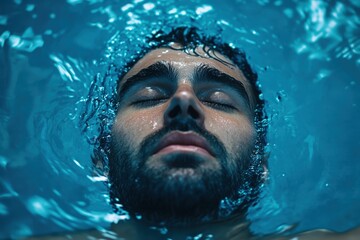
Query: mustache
{"points": [[150, 142]]}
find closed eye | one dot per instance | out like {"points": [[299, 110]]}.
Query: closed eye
{"points": [[151, 102], [149, 96], [218, 100], [220, 106]]}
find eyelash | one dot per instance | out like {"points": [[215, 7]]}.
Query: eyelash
{"points": [[148, 102], [220, 106]]}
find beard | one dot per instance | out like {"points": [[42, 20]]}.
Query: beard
{"points": [[182, 190]]}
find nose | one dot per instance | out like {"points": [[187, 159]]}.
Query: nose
{"points": [[184, 107]]}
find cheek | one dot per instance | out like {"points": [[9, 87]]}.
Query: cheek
{"points": [[237, 133], [134, 126]]}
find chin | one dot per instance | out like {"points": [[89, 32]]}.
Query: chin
{"points": [[173, 188], [181, 173]]}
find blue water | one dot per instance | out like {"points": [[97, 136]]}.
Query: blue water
{"points": [[307, 56]]}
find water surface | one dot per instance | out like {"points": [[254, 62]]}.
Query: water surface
{"points": [[307, 56]]}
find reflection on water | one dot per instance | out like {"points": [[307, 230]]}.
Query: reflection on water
{"points": [[52, 55]]}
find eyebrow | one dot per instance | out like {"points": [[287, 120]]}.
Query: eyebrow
{"points": [[159, 69], [206, 73]]}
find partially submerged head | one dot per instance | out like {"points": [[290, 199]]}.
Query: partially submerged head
{"points": [[187, 142]]}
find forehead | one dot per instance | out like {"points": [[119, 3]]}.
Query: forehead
{"points": [[187, 61]]}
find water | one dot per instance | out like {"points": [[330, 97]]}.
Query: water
{"points": [[308, 58]]}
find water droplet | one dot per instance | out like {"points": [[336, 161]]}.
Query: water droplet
{"points": [[203, 9], [172, 11], [126, 7], [114, 218], [148, 6], [98, 178], [154, 125]]}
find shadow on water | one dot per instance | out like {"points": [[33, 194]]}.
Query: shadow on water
{"points": [[307, 56]]}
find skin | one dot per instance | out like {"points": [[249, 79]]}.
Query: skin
{"points": [[235, 129]]}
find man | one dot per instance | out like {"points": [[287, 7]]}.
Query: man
{"points": [[187, 144]]}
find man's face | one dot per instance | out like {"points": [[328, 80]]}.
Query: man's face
{"points": [[183, 134]]}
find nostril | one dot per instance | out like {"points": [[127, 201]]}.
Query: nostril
{"points": [[175, 111], [183, 109], [193, 113]]}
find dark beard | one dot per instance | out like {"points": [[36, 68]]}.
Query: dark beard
{"points": [[148, 191]]}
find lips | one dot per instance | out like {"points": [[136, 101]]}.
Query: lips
{"points": [[183, 142]]}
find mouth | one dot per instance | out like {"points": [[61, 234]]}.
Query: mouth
{"points": [[183, 142]]}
